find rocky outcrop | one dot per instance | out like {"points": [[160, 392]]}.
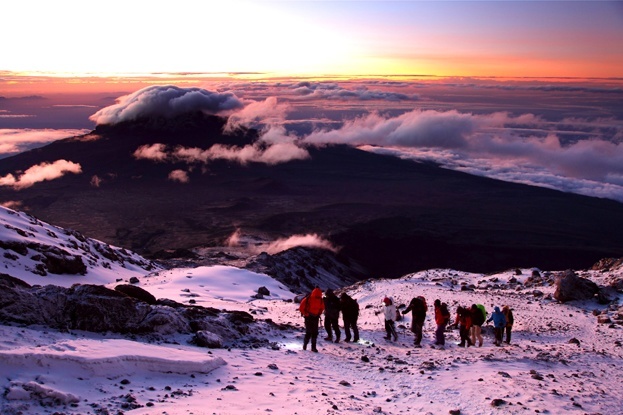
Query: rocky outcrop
{"points": [[569, 287], [301, 269], [127, 309]]}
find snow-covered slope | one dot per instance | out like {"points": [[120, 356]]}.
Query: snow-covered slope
{"points": [[40, 253], [560, 359]]}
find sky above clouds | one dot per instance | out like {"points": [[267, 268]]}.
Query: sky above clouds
{"points": [[444, 38]]}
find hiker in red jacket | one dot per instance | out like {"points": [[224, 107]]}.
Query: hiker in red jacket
{"points": [[442, 318], [311, 308]]}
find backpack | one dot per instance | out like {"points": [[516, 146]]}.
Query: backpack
{"points": [[444, 312], [482, 309]]}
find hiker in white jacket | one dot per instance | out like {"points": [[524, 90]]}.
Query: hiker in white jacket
{"points": [[390, 316]]}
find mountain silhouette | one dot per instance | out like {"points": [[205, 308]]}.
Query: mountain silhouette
{"points": [[391, 215]]}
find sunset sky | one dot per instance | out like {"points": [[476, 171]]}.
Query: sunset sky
{"points": [[523, 91], [283, 38]]}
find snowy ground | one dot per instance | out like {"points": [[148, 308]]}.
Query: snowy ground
{"points": [[47, 372]]}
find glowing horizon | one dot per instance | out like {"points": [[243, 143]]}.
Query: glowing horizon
{"points": [[307, 38]]}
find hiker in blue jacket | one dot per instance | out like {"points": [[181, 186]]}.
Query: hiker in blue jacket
{"points": [[499, 322]]}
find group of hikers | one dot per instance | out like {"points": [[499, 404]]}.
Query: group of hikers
{"points": [[469, 320]]}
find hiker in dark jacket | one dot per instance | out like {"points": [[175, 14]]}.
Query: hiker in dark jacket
{"points": [[478, 319], [508, 314], [350, 314], [332, 315], [417, 306], [499, 322], [464, 323]]}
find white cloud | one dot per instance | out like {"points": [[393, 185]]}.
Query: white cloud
{"points": [[166, 101], [156, 152], [308, 240], [39, 173], [179, 176], [269, 111]]}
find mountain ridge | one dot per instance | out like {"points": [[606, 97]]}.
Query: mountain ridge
{"points": [[417, 215]]}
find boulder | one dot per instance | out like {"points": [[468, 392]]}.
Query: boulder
{"points": [[207, 339], [570, 287], [136, 292]]}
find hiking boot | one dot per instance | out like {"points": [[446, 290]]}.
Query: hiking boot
{"points": [[356, 339], [314, 350], [387, 337], [395, 338], [304, 346]]}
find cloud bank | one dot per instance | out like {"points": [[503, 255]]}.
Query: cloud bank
{"points": [[275, 153], [40, 173], [334, 91], [515, 148], [14, 141], [166, 101]]}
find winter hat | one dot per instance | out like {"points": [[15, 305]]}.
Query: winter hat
{"points": [[437, 302], [496, 309], [387, 301]]}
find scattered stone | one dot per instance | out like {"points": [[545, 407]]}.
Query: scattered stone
{"points": [[504, 374], [229, 388], [263, 291], [574, 341], [125, 382], [455, 412], [344, 383], [273, 366], [365, 359], [134, 280], [498, 402]]}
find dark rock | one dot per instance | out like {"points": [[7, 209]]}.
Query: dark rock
{"points": [[569, 287], [134, 280], [64, 264], [574, 341], [344, 383], [136, 292], [498, 402], [455, 412], [207, 339], [99, 309], [604, 319], [263, 291]]}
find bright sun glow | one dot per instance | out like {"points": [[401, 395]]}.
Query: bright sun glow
{"points": [[224, 36]]}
